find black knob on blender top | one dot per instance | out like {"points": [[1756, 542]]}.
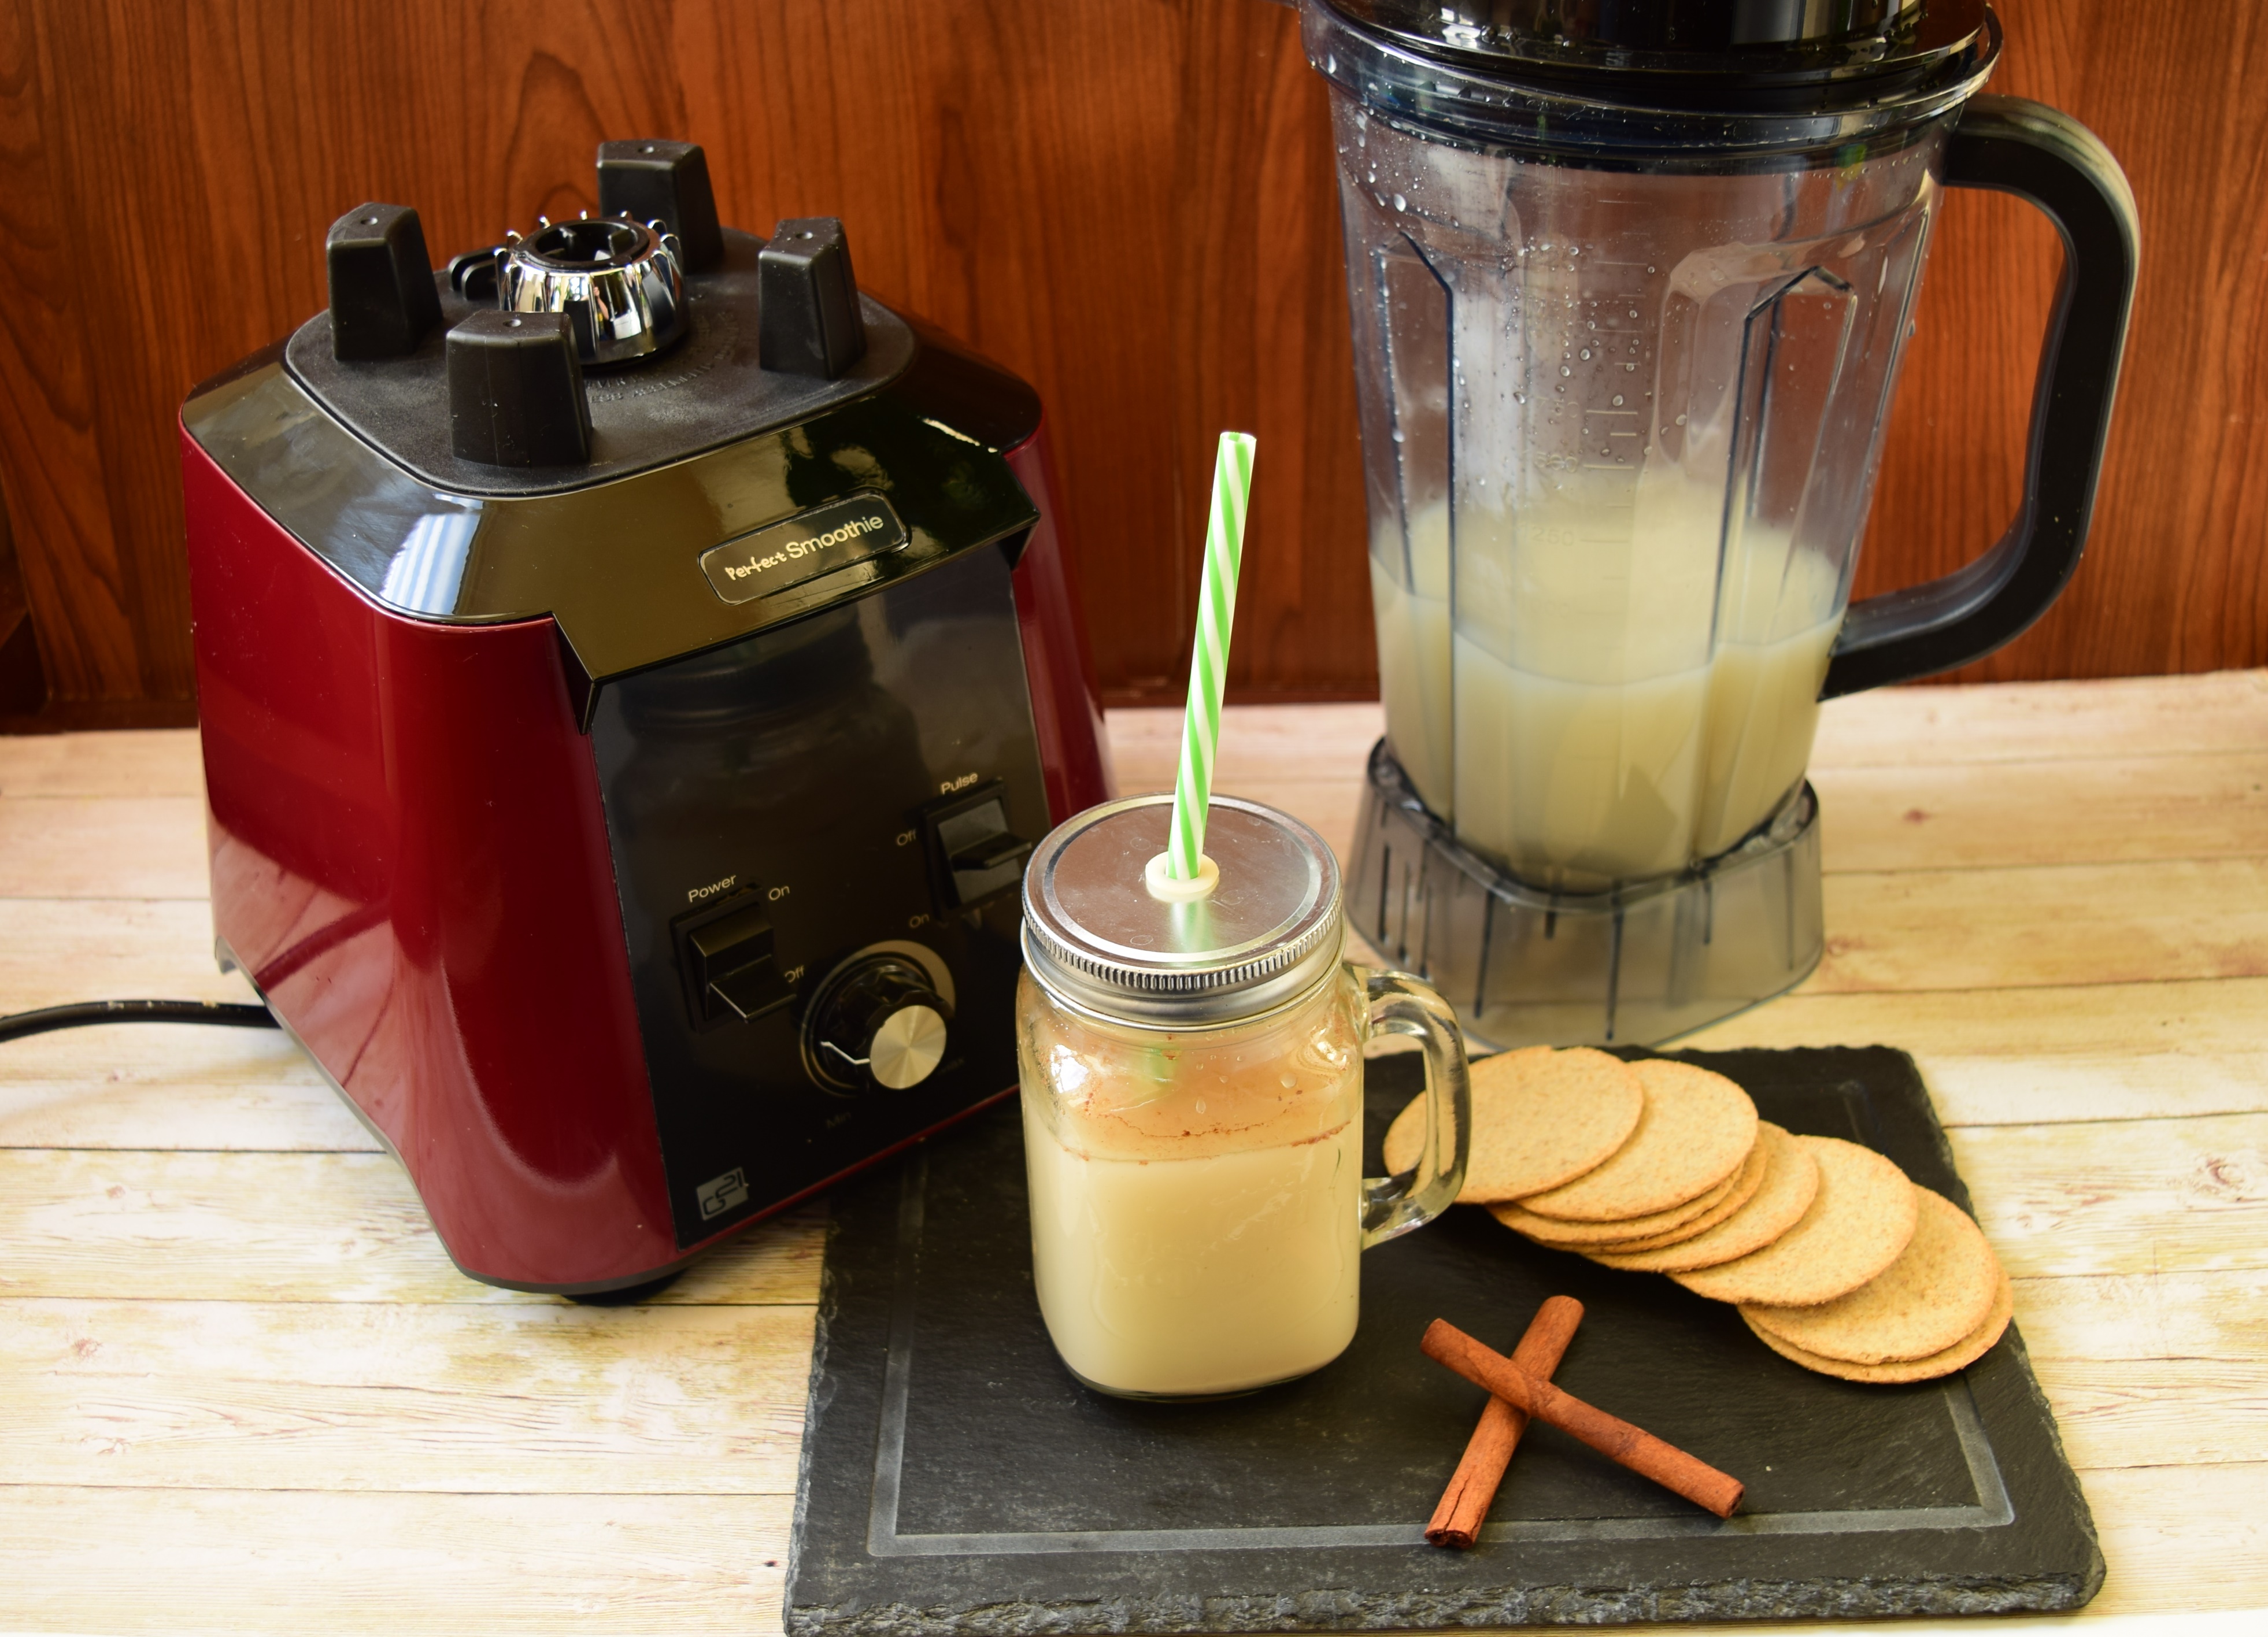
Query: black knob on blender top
{"points": [[516, 391], [809, 299], [473, 274], [382, 296], [666, 183]]}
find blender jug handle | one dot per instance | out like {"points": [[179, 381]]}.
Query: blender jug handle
{"points": [[2057, 164]]}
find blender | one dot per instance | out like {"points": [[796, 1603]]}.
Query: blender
{"points": [[1629, 288]]}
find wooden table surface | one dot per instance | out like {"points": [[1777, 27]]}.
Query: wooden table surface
{"points": [[242, 1390]]}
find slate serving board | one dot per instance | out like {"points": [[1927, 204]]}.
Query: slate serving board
{"points": [[955, 1478]]}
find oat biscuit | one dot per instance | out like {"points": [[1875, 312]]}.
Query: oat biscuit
{"points": [[1937, 1292], [1737, 1191], [1696, 1131], [1862, 1218], [1540, 1118], [1562, 1236], [1791, 1182], [1960, 1356]]}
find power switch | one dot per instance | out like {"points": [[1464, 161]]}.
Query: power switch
{"points": [[725, 953], [973, 853]]}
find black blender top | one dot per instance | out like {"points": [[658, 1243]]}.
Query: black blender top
{"points": [[1689, 53], [661, 432]]}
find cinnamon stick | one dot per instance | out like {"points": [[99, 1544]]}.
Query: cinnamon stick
{"points": [[1465, 1503], [1617, 1439]]}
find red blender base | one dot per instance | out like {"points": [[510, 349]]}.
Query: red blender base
{"points": [[1636, 966]]}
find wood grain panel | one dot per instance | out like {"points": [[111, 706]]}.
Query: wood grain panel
{"points": [[51, 447], [2151, 1369], [2120, 1197], [2158, 1085], [2173, 578], [2152, 715], [123, 762], [94, 847], [102, 1108], [549, 1399], [271, 1226], [2101, 1019], [55, 952], [2057, 925], [2219, 1316], [222, 1562], [1132, 204], [1967, 817]]}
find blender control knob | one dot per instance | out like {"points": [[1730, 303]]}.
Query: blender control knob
{"points": [[516, 391], [881, 1021], [382, 296], [666, 182], [808, 301]]}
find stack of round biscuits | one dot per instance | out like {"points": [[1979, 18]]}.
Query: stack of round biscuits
{"points": [[1835, 1260]]}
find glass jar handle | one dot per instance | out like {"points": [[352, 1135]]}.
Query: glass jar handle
{"points": [[1392, 1206]]}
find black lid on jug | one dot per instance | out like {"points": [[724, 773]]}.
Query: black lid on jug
{"points": [[1614, 80], [1689, 53]]}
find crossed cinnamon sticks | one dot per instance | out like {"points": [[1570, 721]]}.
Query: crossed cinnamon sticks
{"points": [[1521, 1388]]}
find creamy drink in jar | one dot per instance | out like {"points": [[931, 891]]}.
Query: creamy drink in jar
{"points": [[1192, 1100]]}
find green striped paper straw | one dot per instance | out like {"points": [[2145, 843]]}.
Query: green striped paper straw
{"points": [[1232, 486]]}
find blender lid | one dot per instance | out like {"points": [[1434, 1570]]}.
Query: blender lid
{"points": [[1685, 52], [1095, 937]]}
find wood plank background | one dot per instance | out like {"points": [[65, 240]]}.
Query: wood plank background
{"points": [[1129, 201]]}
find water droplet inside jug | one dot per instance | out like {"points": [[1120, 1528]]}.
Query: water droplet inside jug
{"points": [[1400, 203], [1520, 398], [1619, 401], [1564, 369], [1681, 419], [1584, 353]]}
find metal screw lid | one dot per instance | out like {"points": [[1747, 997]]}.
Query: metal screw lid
{"points": [[1097, 939]]}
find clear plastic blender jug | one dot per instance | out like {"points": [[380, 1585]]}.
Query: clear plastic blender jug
{"points": [[1629, 286]]}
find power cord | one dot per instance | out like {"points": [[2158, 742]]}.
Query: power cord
{"points": [[230, 1014]]}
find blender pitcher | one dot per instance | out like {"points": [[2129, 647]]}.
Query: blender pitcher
{"points": [[1629, 286]]}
